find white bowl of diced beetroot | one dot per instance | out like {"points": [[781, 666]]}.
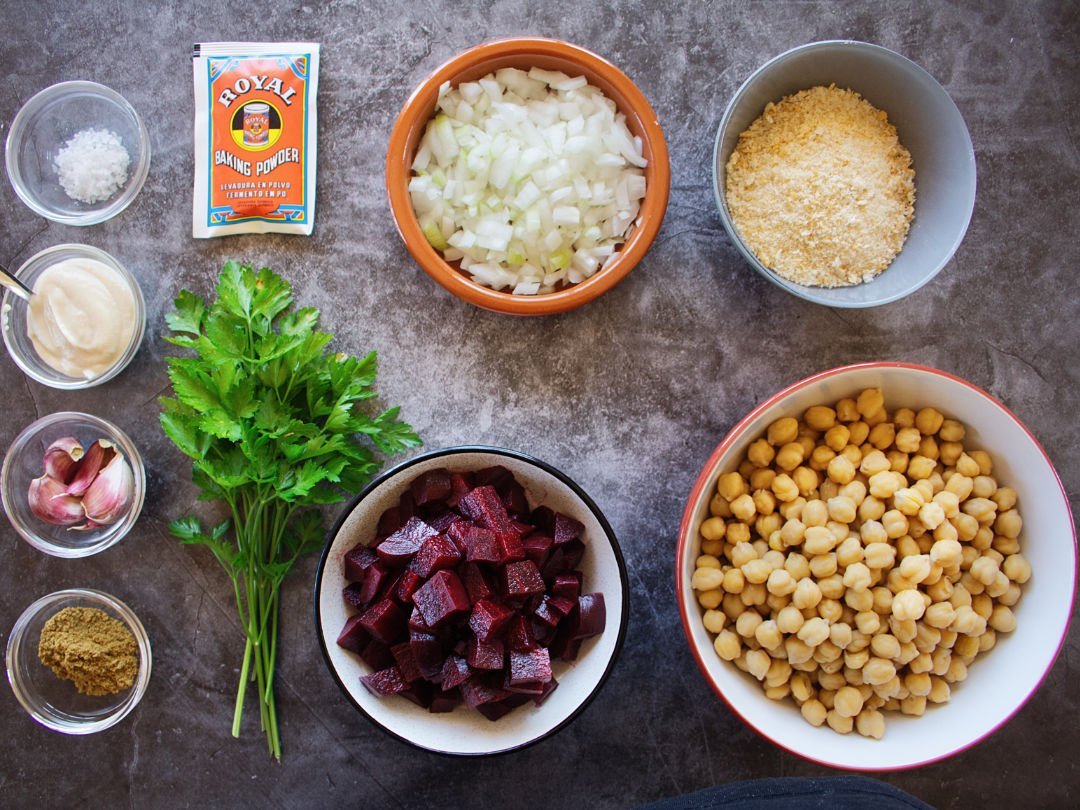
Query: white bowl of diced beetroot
{"points": [[471, 601]]}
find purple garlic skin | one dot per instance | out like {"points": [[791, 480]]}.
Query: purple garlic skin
{"points": [[82, 489]]}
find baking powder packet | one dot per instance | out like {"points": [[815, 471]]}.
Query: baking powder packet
{"points": [[255, 138]]}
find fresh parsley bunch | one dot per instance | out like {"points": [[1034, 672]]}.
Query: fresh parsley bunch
{"points": [[271, 422]]}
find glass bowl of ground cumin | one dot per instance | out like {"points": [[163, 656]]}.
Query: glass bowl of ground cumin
{"points": [[78, 660], [813, 168]]}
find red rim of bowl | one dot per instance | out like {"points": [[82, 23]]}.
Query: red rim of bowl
{"points": [[705, 479], [653, 207]]}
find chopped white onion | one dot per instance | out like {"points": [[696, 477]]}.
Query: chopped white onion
{"points": [[530, 180]]}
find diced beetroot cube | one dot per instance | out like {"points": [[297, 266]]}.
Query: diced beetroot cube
{"points": [[420, 692], [566, 529], [377, 655], [497, 476], [485, 654], [562, 605], [406, 507], [407, 586], [385, 682], [543, 633], [521, 579], [353, 636], [375, 579], [433, 485], [549, 687], [500, 708], [461, 484], [573, 551], [480, 544], [519, 634], [402, 545], [513, 498], [389, 522], [436, 553], [537, 547], [530, 666], [442, 519], [532, 688], [523, 528], [442, 702], [543, 519], [477, 692], [476, 583], [428, 654], [590, 617], [567, 586], [357, 560], [484, 507], [389, 587], [441, 598], [546, 614], [384, 620], [489, 618], [510, 547], [457, 532], [455, 672], [354, 596], [417, 623], [406, 661]]}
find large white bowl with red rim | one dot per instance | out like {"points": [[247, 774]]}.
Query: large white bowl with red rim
{"points": [[999, 682], [464, 731]]}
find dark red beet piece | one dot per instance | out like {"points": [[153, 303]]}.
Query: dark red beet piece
{"points": [[436, 553], [433, 485], [485, 654], [399, 548], [501, 708], [385, 682], [357, 560], [519, 634], [442, 702], [389, 522], [419, 692], [543, 519], [544, 634], [389, 587], [564, 559], [461, 483], [489, 618], [442, 519], [537, 547], [377, 655], [441, 598], [407, 586], [566, 529], [353, 636], [567, 586], [384, 620], [510, 547], [496, 476], [546, 614], [406, 507], [476, 583], [590, 617], [549, 687], [562, 605], [484, 507], [573, 551], [455, 672], [532, 689], [480, 544], [406, 661], [375, 579], [513, 498], [530, 666], [417, 623], [354, 596], [478, 691], [521, 579], [428, 654]]}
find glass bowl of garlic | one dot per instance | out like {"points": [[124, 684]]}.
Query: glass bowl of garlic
{"points": [[72, 484]]}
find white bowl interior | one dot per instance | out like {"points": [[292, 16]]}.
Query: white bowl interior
{"points": [[999, 681], [928, 124], [466, 731]]}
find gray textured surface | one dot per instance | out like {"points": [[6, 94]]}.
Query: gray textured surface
{"points": [[628, 395]]}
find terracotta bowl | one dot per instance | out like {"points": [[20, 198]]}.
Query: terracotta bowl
{"points": [[999, 681], [524, 53]]}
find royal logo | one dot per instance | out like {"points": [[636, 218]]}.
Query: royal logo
{"points": [[245, 84]]}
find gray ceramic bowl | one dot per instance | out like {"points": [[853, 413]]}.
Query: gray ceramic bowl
{"points": [[929, 125]]}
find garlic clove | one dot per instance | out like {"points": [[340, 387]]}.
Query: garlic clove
{"points": [[97, 457], [51, 503], [111, 493], [62, 459]]}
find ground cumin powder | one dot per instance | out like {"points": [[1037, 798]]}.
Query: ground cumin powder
{"points": [[90, 648]]}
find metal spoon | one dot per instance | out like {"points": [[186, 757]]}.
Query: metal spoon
{"points": [[13, 284]]}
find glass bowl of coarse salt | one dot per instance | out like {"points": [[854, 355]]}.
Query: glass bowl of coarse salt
{"points": [[77, 153]]}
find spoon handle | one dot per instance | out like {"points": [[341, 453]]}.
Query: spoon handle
{"points": [[13, 284]]}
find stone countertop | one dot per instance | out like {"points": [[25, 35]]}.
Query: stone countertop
{"points": [[629, 395]]}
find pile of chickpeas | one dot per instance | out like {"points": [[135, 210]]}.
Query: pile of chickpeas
{"points": [[859, 563]]}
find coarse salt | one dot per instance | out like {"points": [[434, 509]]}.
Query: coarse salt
{"points": [[92, 165]]}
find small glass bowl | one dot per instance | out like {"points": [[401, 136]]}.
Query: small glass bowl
{"points": [[25, 461], [54, 702], [46, 123], [13, 312]]}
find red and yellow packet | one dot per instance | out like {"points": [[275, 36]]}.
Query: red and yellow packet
{"points": [[255, 137]]}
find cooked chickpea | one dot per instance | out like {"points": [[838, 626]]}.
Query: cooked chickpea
{"points": [[734, 581], [818, 540], [761, 453], [908, 501], [915, 568], [929, 448], [730, 486], [1002, 619], [806, 480], [837, 438], [1008, 523], [784, 488], [782, 431], [768, 635], [781, 583], [757, 663], [1017, 568], [878, 671], [823, 565], [929, 421], [907, 440], [839, 723], [706, 579], [814, 712], [985, 570], [790, 456], [966, 465], [898, 462], [814, 631], [914, 705], [961, 486], [950, 453], [870, 401], [908, 605], [727, 645], [841, 470]]}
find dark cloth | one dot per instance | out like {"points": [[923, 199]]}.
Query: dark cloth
{"points": [[796, 793]]}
